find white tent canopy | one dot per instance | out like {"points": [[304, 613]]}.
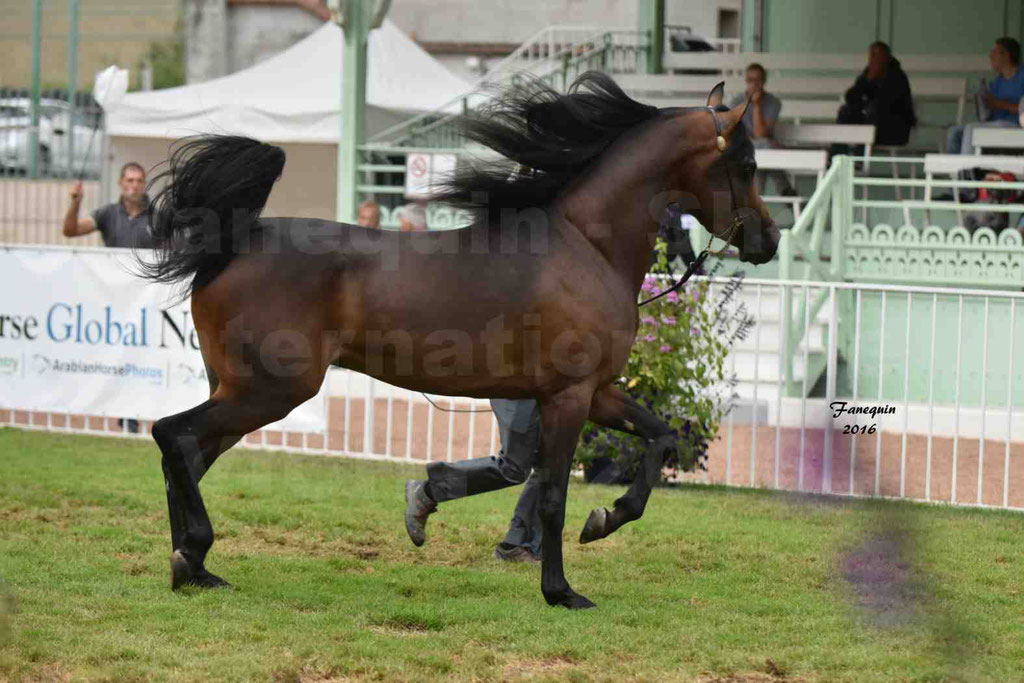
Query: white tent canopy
{"points": [[294, 96]]}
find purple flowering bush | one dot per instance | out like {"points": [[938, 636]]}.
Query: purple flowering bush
{"points": [[676, 364]]}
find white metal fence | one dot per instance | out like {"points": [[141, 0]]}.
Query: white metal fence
{"points": [[782, 434]]}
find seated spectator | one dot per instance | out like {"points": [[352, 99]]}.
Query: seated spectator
{"points": [[759, 120], [413, 218], [880, 97], [369, 214], [1001, 98]]}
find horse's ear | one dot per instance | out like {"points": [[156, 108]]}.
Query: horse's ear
{"points": [[736, 113], [717, 95]]}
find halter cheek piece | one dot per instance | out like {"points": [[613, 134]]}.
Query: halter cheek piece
{"points": [[737, 220]]}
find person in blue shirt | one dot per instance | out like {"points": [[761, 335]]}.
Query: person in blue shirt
{"points": [[1002, 99]]}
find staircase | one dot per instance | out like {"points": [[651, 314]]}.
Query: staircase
{"points": [[555, 55], [756, 360]]}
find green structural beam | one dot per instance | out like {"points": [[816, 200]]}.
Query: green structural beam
{"points": [[752, 23], [652, 22], [357, 19]]}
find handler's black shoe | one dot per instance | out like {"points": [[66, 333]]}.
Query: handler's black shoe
{"points": [[515, 554], [418, 506]]}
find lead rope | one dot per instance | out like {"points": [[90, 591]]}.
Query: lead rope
{"points": [[696, 263], [453, 410]]}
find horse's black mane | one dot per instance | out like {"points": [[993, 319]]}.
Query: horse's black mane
{"points": [[546, 137]]}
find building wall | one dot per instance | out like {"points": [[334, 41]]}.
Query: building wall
{"points": [[206, 40], [909, 26], [261, 31], [515, 21], [702, 17], [505, 21], [109, 33]]}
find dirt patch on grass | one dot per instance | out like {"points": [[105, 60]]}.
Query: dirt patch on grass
{"points": [[404, 632], [408, 625], [773, 673], [269, 541], [752, 677], [310, 673], [51, 672], [132, 564], [525, 669]]}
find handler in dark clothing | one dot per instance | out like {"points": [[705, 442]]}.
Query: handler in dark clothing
{"points": [[881, 97], [519, 428], [125, 223]]}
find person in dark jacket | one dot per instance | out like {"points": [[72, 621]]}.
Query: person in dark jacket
{"points": [[880, 97]]}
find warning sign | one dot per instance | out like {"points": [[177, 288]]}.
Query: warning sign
{"points": [[424, 173]]}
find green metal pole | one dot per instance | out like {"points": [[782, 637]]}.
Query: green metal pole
{"points": [[652, 22], [352, 129], [33, 138], [785, 252], [72, 80], [752, 24]]}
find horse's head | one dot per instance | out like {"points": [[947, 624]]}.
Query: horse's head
{"points": [[717, 172]]}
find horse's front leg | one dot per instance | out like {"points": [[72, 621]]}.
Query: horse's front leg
{"points": [[562, 417], [613, 408]]}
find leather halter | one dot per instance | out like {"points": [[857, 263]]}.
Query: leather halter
{"points": [[736, 224]]}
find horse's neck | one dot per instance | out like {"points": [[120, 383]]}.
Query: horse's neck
{"points": [[612, 207]]}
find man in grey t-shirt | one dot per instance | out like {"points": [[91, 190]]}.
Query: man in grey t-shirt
{"points": [[759, 120], [125, 223]]}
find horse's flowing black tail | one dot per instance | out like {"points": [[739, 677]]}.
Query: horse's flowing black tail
{"points": [[216, 187]]}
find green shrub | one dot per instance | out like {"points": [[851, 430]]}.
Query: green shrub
{"points": [[676, 369]]}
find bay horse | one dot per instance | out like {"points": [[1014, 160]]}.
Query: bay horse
{"points": [[537, 298]]}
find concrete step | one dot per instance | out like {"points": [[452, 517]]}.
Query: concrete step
{"points": [[767, 367], [770, 339]]}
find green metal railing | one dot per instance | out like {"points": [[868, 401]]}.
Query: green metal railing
{"points": [[555, 56], [826, 244], [832, 199]]}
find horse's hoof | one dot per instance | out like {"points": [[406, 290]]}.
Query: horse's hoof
{"points": [[571, 600], [205, 579], [594, 528], [182, 575]]}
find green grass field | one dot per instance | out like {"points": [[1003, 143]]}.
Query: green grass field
{"points": [[709, 586]]}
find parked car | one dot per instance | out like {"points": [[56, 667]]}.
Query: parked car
{"points": [[682, 39], [55, 127]]}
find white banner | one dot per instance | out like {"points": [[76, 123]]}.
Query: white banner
{"points": [[79, 333]]}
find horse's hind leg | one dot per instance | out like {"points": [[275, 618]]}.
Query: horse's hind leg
{"points": [[613, 408], [174, 506], [190, 442]]}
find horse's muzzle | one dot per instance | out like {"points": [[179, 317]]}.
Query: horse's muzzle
{"points": [[764, 249]]}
